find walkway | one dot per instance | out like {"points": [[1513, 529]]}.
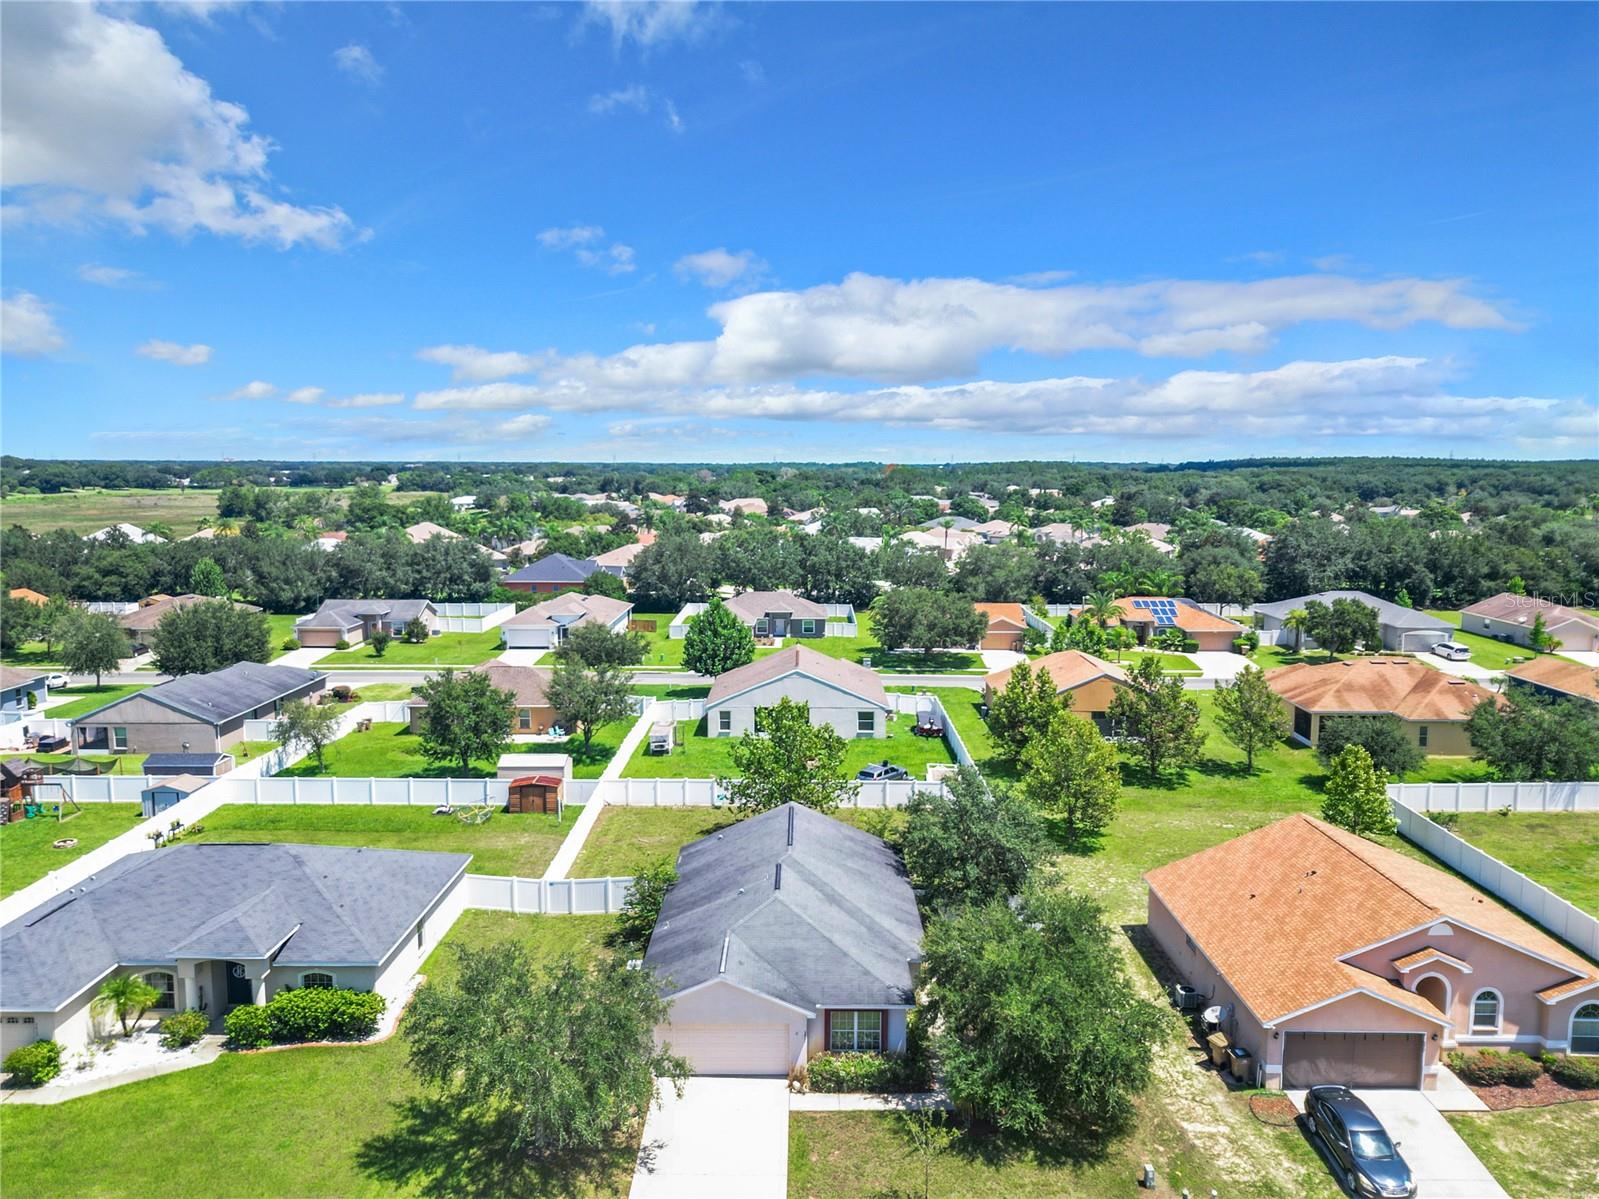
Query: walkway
{"points": [[725, 1138], [304, 658]]}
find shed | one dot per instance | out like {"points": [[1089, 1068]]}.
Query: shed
{"points": [[662, 737], [515, 766], [171, 765], [158, 797], [535, 793]]}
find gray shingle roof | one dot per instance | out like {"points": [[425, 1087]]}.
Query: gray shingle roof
{"points": [[326, 905], [223, 694], [791, 904], [850, 677], [1387, 613], [348, 613], [752, 605], [554, 568]]}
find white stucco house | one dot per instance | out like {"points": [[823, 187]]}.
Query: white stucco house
{"points": [[842, 694]]}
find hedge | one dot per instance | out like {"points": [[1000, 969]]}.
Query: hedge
{"points": [[184, 1028], [1490, 1068], [1579, 1073], [34, 1064], [308, 1014], [831, 1073]]}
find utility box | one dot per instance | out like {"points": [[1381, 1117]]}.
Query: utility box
{"points": [[1218, 1044]]}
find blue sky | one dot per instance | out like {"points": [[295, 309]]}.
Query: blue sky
{"points": [[894, 232]]}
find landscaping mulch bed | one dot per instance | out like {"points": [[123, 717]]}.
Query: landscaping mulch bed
{"points": [[1544, 1092], [1277, 1110]]}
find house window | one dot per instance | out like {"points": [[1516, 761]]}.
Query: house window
{"points": [[724, 720], [119, 738], [855, 1032], [760, 627], [11, 1020], [1485, 1012], [1421, 736], [162, 981], [866, 722], [808, 627], [524, 719], [1585, 1029], [316, 978]]}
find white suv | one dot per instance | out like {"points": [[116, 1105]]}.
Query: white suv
{"points": [[1453, 650]]}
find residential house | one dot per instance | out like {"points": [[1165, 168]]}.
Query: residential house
{"points": [[132, 532], [141, 623], [546, 625], [781, 614], [1159, 535], [1432, 706], [22, 690], [1091, 682], [1335, 960], [1148, 615], [993, 531], [426, 530], [463, 503], [28, 594], [676, 503], [618, 561], [1405, 629], [717, 518], [530, 690], [842, 694], [196, 713], [214, 926], [1063, 533], [749, 505], [1510, 617], [961, 523], [1556, 678], [551, 573], [948, 544], [355, 620], [1394, 510], [1007, 626], [786, 935], [330, 541]]}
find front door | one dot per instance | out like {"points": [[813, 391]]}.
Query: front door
{"points": [[779, 626], [239, 989]]}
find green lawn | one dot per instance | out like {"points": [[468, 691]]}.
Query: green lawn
{"points": [[383, 691], [447, 649], [1558, 849], [248, 751], [1171, 663], [26, 852], [864, 646], [390, 751], [698, 756], [1537, 1152], [662, 653], [347, 1121], [32, 654], [280, 626], [88, 698], [1485, 651], [520, 844]]}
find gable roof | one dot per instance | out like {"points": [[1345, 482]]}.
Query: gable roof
{"points": [[1276, 909], [1524, 609], [1190, 617], [622, 555], [29, 594], [424, 529], [529, 684], [575, 608], [1390, 614], [1560, 674], [1403, 686], [554, 568], [752, 605], [851, 677], [794, 905], [1003, 616], [324, 905], [144, 619], [19, 676], [1068, 669], [349, 613], [223, 694]]}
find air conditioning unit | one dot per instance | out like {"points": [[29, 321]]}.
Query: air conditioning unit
{"points": [[1185, 998]]}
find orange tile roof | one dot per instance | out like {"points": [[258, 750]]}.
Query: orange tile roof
{"points": [[1402, 686], [1275, 909], [1428, 954], [1561, 674], [1190, 617], [1068, 669], [1001, 615], [29, 594]]}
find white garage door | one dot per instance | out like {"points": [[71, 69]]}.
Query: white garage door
{"points": [[731, 1048]]}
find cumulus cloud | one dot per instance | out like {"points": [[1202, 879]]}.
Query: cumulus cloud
{"points": [[356, 61], [115, 277], [103, 121], [27, 328], [475, 364], [177, 355], [636, 98], [305, 395], [256, 390], [587, 245], [385, 399], [721, 268], [650, 23]]}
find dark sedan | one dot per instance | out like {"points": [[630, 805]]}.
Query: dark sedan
{"points": [[1366, 1160]]}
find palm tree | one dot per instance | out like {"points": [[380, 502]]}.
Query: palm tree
{"points": [[1298, 620], [1121, 638], [1160, 581], [1101, 607], [128, 997]]}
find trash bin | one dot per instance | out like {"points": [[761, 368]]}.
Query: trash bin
{"points": [[1240, 1064], [1217, 1041]]}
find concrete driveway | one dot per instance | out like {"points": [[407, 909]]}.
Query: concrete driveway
{"points": [[726, 1138], [1441, 1163]]}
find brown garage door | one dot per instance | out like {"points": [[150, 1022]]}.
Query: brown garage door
{"points": [[1355, 1059]]}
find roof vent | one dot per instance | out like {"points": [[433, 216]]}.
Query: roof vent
{"points": [[777, 881], [726, 938], [791, 827]]}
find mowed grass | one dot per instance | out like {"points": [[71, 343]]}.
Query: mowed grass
{"points": [[280, 628], [864, 647], [389, 750], [26, 850], [1558, 849], [87, 698], [87, 511], [698, 756], [108, 763], [348, 1121], [447, 649], [521, 844], [662, 653], [1537, 1152]]}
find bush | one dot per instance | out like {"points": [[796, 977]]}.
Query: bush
{"points": [[832, 1073], [1247, 643], [290, 643], [1491, 1068], [1580, 1073], [341, 643], [248, 1027], [33, 1064], [323, 1014], [184, 1028], [1444, 819]]}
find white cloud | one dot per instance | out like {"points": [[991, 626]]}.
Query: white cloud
{"points": [[304, 395], [385, 399], [356, 61], [673, 121], [177, 355], [722, 268], [526, 425], [1040, 278], [256, 390], [636, 97], [570, 237], [482, 398], [752, 71], [26, 326], [103, 121], [586, 244], [476, 364], [650, 23], [115, 277]]}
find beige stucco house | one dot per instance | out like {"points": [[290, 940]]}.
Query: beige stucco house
{"points": [[842, 694], [1432, 706], [1510, 617], [1091, 682], [196, 713]]}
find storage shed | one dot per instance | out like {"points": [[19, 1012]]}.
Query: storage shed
{"points": [[535, 793], [158, 797], [208, 765]]}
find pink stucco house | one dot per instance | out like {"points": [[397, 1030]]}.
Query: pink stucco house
{"points": [[1345, 962]]}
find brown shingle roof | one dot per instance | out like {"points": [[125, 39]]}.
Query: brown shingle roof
{"points": [[752, 605], [143, 620], [1276, 908], [853, 678], [587, 608], [1068, 669], [1401, 686], [1003, 616], [1561, 674], [1523, 609]]}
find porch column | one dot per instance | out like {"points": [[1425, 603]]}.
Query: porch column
{"points": [[185, 987], [257, 973]]}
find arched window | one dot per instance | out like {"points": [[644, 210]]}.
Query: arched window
{"points": [[1585, 1029], [316, 978], [163, 982], [1485, 1006]]}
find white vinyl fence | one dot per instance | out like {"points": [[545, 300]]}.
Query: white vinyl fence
{"points": [[1560, 917], [678, 629], [704, 793], [472, 618], [1035, 621], [1490, 797], [391, 711], [547, 896]]}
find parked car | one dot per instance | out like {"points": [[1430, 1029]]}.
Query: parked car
{"points": [[1366, 1160], [1453, 651], [882, 772], [55, 680]]}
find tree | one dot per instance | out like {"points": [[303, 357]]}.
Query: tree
{"points": [[787, 759], [416, 631], [20, 621], [1036, 1023], [1382, 737], [311, 725], [127, 997], [93, 643], [1120, 638], [207, 636], [1069, 772], [717, 641], [930, 1134], [595, 645], [1539, 638], [1356, 797], [926, 620], [565, 1053], [603, 582], [1101, 607], [1022, 708], [206, 578], [1299, 622], [379, 641], [1250, 714], [54, 619], [676, 570], [589, 697], [1154, 709], [1340, 627], [969, 844], [1527, 737], [467, 718], [642, 907]]}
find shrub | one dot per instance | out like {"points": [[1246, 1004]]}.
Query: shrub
{"points": [[1580, 1073], [831, 1073], [341, 643], [34, 1064], [1491, 1068], [248, 1027], [323, 1014], [1247, 642], [184, 1028], [290, 643], [1444, 819]]}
